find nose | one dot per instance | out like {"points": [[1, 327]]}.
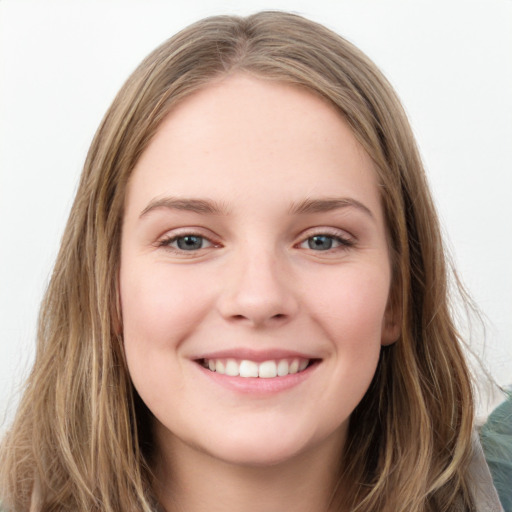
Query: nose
{"points": [[258, 291]]}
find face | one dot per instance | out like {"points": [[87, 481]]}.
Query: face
{"points": [[255, 273]]}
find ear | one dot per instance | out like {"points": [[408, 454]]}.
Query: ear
{"points": [[392, 321]]}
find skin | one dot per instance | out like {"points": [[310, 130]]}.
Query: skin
{"points": [[256, 150]]}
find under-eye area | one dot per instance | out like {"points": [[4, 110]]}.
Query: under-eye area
{"points": [[263, 370]]}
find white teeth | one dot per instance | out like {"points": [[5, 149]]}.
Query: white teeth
{"points": [[265, 370], [232, 368], [294, 366], [282, 368], [220, 367], [248, 369], [268, 370]]}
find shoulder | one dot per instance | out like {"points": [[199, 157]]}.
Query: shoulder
{"points": [[480, 481], [496, 438]]}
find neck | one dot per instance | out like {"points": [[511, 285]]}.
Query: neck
{"points": [[193, 481]]}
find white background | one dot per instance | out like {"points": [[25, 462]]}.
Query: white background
{"points": [[61, 64]]}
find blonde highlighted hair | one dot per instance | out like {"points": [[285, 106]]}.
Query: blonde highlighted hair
{"points": [[81, 439]]}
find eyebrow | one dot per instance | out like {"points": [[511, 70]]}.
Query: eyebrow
{"points": [[328, 204], [209, 207], [201, 206]]}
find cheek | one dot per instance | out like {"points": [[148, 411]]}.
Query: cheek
{"points": [[350, 312], [351, 306], [159, 308]]}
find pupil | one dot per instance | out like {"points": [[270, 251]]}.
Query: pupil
{"points": [[320, 242], [190, 242]]}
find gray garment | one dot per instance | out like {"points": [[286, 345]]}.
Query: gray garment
{"points": [[484, 494], [496, 439]]}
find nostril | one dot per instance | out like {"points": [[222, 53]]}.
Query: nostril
{"points": [[239, 317]]}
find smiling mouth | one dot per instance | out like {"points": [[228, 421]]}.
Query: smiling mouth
{"points": [[264, 370]]}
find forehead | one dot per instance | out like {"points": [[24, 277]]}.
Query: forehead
{"points": [[246, 133]]}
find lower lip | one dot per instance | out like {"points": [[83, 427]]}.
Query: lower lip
{"points": [[257, 385]]}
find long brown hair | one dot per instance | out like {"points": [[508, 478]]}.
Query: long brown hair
{"points": [[80, 439]]}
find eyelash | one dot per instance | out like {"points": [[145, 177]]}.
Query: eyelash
{"points": [[167, 241], [344, 242]]}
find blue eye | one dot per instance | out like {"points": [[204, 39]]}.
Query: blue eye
{"points": [[189, 242], [186, 243], [323, 242], [320, 242]]}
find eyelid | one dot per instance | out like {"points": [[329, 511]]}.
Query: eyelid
{"points": [[346, 240], [170, 236], [329, 231]]}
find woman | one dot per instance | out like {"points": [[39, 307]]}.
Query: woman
{"points": [[249, 309]]}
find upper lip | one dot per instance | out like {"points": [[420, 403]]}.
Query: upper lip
{"points": [[257, 356]]}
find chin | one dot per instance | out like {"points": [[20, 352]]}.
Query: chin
{"points": [[256, 456], [263, 447]]}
